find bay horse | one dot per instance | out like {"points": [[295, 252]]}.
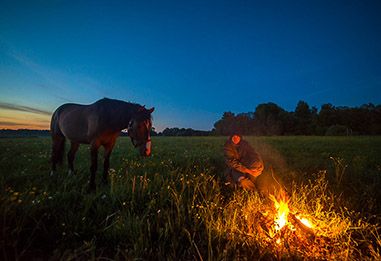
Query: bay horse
{"points": [[98, 124]]}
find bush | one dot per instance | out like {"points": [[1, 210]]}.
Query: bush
{"points": [[338, 130]]}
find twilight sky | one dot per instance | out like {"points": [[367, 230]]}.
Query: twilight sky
{"points": [[192, 60]]}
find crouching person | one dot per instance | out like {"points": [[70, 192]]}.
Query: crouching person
{"points": [[244, 163]]}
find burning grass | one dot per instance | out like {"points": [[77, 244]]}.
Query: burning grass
{"points": [[305, 225]]}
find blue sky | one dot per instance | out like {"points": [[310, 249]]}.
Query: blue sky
{"points": [[191, 60]]}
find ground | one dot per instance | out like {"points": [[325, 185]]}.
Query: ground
{"points": [[175, 205]]}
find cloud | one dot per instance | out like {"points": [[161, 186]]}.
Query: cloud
{"points": [[10, 123], [63, 83], [15, 107], [58, 80]]}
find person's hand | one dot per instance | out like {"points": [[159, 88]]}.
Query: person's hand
{"points": [[246, 183], [254, 172]]}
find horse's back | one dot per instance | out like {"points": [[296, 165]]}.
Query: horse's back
{"points": [[54, 122], [84, 123], [73, 120]]}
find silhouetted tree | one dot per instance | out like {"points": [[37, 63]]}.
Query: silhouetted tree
{"points": [[271, 119], [226, 125], [304, 117], [326, 118], [244, 123], [183, 132]]}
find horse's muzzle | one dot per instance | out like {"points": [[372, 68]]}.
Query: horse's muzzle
{"points": [[145, 149], [145, 153], [148, 148]]}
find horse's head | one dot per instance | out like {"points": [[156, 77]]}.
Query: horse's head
{"points": [[139, 130]]}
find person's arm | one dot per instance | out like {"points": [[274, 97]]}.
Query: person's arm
{"points": [[232, 161], [256, 167]]}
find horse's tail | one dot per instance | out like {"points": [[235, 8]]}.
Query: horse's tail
{"points": [[58, 140]]}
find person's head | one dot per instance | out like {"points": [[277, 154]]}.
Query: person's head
{"points": [[236, 139]]}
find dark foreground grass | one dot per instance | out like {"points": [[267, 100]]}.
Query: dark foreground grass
{"points": [[175, 205]]}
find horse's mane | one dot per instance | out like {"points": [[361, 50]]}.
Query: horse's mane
{"points": [[137, 110], [116, 102]]}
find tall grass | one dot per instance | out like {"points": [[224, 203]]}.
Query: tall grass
{"points": [[176, 205]]}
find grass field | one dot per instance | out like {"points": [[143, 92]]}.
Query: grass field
{"points": [[175, 205]]}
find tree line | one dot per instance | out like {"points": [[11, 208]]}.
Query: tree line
{"points": [[20, 133], [182, 132], [271, 119]]}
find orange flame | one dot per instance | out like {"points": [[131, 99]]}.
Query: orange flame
{"points": [[281, 218], [282, 210]]}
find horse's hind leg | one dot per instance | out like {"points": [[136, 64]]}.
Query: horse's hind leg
{"points": [[70, 156], [58, 147], [94, 165]]}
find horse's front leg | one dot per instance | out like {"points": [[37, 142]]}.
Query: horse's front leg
{"points": [[94, 165], [106, 164]]}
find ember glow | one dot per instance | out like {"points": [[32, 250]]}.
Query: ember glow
{"points": [[305, 221]]}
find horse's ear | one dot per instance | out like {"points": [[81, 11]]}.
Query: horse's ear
{"points": [[151, 110], [141, 108]]}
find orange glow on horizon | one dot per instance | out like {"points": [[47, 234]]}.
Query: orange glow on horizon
{"points": [[23, 126], [13, 120]]}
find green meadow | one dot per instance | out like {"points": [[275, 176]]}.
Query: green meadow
{"points": [[175, 205]]}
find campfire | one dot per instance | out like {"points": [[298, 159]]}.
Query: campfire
{"points": [[283, 229], [306, 225], [286, 222]]}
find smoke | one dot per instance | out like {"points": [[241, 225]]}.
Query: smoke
{"points": [[269, 154], [275, 164]]}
